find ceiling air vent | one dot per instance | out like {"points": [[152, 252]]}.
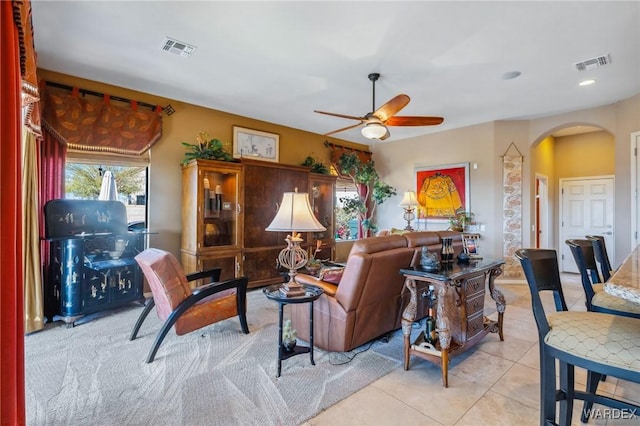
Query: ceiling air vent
{"points": [[177, 47], [592, 63]]}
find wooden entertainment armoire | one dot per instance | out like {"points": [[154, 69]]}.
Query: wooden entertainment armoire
{"points": [[226, 207]]}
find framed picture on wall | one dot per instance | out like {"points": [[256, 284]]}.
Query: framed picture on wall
{"points": [[249, 143], [442, 191]]}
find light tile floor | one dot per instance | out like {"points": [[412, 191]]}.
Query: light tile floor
{"points": [[494, 383]]}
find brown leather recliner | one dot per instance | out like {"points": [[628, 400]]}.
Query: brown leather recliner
{"points": [[370, 297]]}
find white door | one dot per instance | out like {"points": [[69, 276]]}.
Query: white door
{"points": [[635, 186], [586, 208]]}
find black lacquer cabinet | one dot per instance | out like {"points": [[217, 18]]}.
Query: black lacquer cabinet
{"points": [[92, 266]]}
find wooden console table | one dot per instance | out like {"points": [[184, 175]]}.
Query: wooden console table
{"points": [[460, 320]]}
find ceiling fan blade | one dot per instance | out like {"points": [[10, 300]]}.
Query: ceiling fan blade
{"points": [[343, 129], [392, 107], [351, 117], [413, 121]]}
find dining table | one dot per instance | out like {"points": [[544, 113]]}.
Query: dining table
{"points": [[625, 281]]}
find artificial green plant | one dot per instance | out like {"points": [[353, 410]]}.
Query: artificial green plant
{"points": [[206, 148], [372, 191], [316, 166]]}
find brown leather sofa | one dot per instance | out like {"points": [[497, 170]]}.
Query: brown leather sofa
{"points": [[369, 299]]}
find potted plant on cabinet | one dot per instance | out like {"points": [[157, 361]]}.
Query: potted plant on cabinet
{"points": [[316, 166], [206, 148]]}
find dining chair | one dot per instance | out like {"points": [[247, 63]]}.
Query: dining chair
{"points": [[602, 344], [601, 255], [183, 308], [598, 300]]}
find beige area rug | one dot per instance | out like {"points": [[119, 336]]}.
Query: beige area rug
{"points": [[93, 375]]}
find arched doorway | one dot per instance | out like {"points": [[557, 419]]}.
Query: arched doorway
{"points": [[570, 153]]}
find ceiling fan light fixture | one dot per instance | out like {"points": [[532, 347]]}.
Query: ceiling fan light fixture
{"points": [[374, 131]]}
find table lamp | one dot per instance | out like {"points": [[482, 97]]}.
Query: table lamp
{"points": [[294, 215], [409, 202]]}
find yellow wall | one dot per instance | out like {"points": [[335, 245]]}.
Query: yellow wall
{"points": [[543, 157], [587, 154], [165, 188]]}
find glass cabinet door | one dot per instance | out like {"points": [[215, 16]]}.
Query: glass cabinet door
{"points": [[220, 208], [322, 199]]}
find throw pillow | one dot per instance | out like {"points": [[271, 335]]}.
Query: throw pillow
{"points": [[396, 231], [331, 275]]}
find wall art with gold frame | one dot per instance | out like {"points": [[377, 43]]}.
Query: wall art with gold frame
{"points": [[249, 143], [442, 191]]}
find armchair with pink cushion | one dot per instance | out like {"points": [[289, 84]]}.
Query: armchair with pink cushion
{"points": [[180, 306]]}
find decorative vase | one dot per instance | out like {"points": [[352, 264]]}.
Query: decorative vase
{"points": [[289, 345], [447, 250]]}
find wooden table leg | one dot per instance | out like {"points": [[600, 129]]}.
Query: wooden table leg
{"points": [[444, 366], [407, 345], [497, 295], [444, 334], [408, 317]]}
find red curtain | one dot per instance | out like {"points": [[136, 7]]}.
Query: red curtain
{"points": [[51, 186], [12, 405]]}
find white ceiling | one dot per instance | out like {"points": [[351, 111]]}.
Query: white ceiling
{"points": [[277, 61]]}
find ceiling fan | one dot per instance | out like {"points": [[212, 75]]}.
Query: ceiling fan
{"points": [[375, 123]]}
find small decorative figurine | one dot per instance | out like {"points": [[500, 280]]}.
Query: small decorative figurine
{"points": [[429, 261], [288, 336]]}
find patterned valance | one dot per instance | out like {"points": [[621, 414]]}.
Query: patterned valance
{"points": [[22, 18], [338, 150], [93, 123]]}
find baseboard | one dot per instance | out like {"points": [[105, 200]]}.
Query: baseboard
{"points": [[510, 281]]}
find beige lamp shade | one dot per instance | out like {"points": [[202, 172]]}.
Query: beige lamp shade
{"points": [[409, 200], [295, 214]]}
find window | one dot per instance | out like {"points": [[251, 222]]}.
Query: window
{"points": [[84, 178], [346, 224]]}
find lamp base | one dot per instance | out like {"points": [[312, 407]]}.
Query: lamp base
{"points": [[408, 216], [293, 257], [292, 289]]}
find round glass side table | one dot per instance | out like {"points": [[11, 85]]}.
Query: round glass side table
{"points": [[311, 293]]}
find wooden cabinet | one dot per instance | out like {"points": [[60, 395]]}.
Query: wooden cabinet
{"points": [[264, 185], [212, 216], [230, 233], [322, 190]]}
